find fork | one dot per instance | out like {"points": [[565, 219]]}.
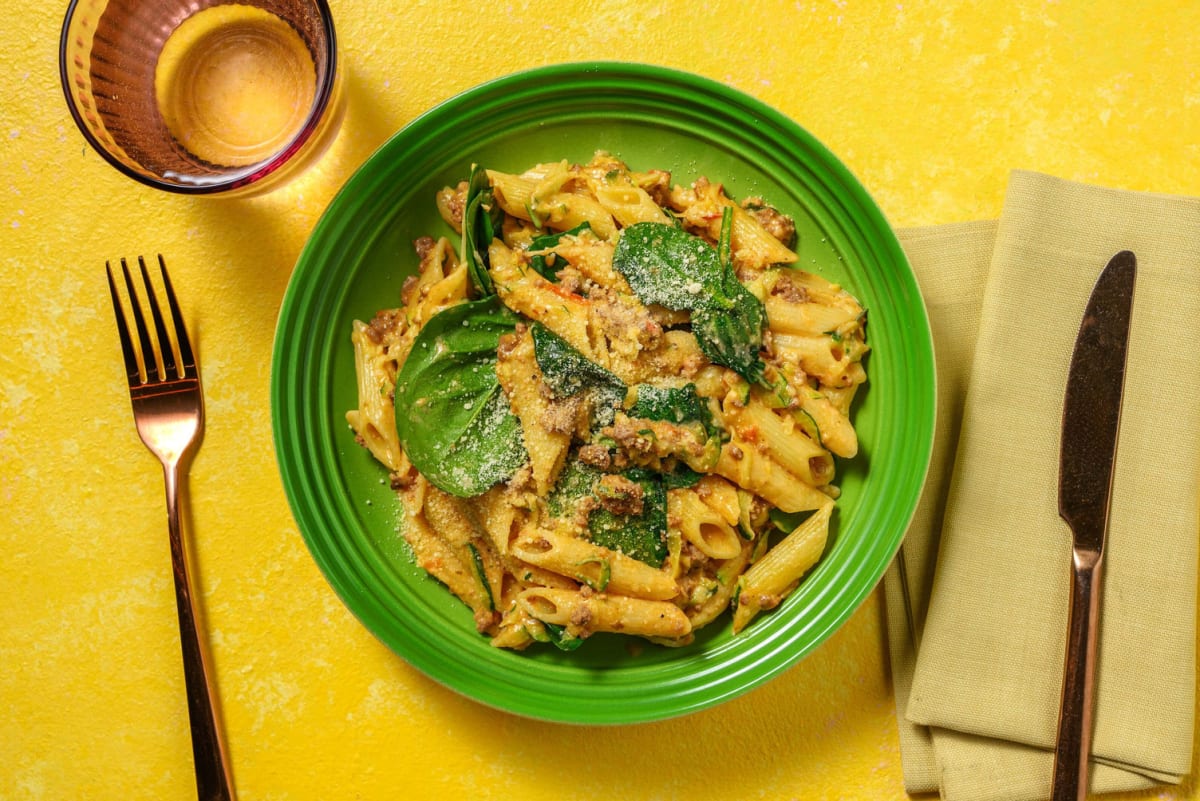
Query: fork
{"points": [[168, 409]]}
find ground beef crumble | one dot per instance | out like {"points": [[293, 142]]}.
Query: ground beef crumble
{"points": [[620, 495], [778, 224]]}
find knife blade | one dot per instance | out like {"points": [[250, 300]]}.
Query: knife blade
{"points": [[1087, 458]]}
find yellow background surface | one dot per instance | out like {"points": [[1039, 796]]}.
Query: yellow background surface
{"points": [[930, 104]]}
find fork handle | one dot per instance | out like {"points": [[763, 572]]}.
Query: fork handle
{"points": [[213, 779]]}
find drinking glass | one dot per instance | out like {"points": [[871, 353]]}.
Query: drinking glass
{"points": [[203, 97]]}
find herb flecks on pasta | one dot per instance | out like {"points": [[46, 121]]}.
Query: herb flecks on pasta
{"points": [[606, 399]]}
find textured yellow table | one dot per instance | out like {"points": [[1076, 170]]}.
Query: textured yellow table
{"points": [[929, 104]]}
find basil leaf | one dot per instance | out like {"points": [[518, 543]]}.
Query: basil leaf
{"points": [[568, 372], [547, 241], [482, 218], [452, 415], [668, 266]]}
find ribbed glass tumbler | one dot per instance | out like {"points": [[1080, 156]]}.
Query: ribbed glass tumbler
{"points": [[203, 96]]}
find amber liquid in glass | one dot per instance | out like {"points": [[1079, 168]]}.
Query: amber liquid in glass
{"points": [[234, 84]]}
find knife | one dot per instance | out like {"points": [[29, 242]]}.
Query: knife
{"points": [[1091, 417]]}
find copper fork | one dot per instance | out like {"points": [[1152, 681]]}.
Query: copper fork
{"points": [[168, 409]]}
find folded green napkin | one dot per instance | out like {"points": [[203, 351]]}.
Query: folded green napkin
{"points": [[977, 598]]}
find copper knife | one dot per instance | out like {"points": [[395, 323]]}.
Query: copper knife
{"points": [[1091, 417]]}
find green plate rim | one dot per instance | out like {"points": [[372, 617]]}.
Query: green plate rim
{"points": [[309, 434]]}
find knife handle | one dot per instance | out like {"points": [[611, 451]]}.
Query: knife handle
{"points": [[1074, 743]]}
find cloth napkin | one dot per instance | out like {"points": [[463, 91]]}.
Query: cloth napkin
{"points": [[977, 597]]}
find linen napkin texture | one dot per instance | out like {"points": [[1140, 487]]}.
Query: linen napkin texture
{"points": [[977, 598]]}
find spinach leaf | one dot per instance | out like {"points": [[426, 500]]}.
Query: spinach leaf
{"points": [[482, 218], [668, 266], [733, 337], [575, 482], [681, 477], [451, 413], [568, 372], [547, 241], [642, 537], [558, 635], [681, 406], [672, 404]]}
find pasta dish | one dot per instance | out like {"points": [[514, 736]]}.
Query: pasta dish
{"points": [[610, 404]]}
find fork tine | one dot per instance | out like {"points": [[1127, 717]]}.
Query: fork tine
{"points": [[132, 371], [164, 341], [187, 360], [149, 361]]}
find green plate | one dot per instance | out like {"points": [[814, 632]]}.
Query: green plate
{"points": [[357, 259]]}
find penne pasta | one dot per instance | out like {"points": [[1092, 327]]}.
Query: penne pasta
{"points": [[592, 432], [592, 258], [603, 569], [786, 443], [753, 245], [513, 192], [373, 420], [438, 557], [773, 576], [500, 515], [806, 318], [521, 378], [832, 424], [701, 525], [726, 579], [525, 292], [539, 202], [720, 496], [630, 204], [750, 468], [823, 358], [591, 612]]}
